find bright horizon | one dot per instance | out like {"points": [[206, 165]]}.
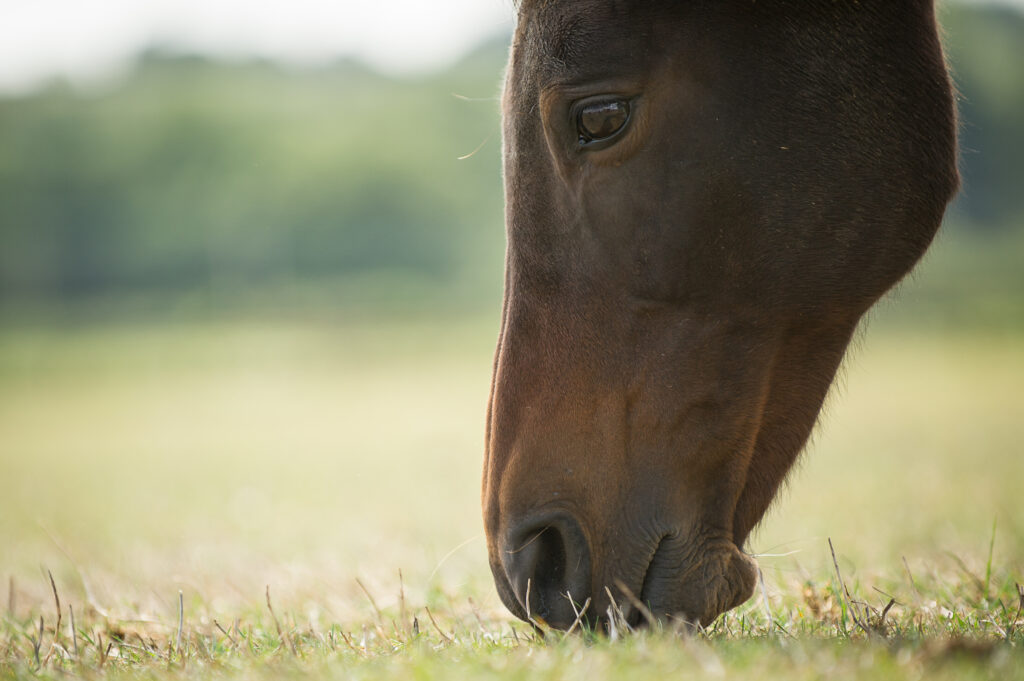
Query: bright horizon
{"points": [[94, 40]]}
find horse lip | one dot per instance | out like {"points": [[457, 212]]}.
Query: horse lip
{"points": [[648, 595], [667, 581], [645, 587]]}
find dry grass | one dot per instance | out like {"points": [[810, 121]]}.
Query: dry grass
{"points": [[943, 629], [239, 501]]}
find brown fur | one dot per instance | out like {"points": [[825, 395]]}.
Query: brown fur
{"points": [[677, 302]]}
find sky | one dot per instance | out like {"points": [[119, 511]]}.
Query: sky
{"points": [[91, 39]]}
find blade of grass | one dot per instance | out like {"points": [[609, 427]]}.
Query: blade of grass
{"points": [[74, 630], [579, 613], [430, 615], [56, 629], [845, 592], [277, 624], [181, 623], [988, 563]]}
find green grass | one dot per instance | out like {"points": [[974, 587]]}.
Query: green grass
{"points": [[142, 461]]}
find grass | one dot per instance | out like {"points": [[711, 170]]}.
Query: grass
{"points": [[266, 500]]}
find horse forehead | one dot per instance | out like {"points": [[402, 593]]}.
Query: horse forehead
{"points": [[561, 33]]}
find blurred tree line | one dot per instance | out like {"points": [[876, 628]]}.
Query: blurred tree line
{"points": [[235, 179], [230, 181]]}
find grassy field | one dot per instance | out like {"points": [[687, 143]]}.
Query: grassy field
{"points": [[331, 471]]}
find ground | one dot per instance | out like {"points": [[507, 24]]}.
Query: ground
{"points": [[176, 479]]}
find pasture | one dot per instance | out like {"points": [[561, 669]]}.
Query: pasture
{"points": [[331, 471]]}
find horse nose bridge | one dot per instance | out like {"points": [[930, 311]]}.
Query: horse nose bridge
{"points": [[548, 563]]}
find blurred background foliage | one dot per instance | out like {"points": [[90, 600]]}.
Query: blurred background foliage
{"points": [[197, 186], [236, 183]]}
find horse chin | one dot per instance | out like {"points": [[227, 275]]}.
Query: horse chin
{"points": [[697, 581]]}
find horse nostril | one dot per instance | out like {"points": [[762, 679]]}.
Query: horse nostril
{"points": [[548, 564]]}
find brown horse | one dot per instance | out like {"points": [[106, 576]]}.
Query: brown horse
{"points": [[703, 199]]}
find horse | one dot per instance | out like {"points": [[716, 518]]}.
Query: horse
{"points": [[703, 198]]}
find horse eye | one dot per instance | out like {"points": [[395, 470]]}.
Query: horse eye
{"points": [[600, 120]]}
